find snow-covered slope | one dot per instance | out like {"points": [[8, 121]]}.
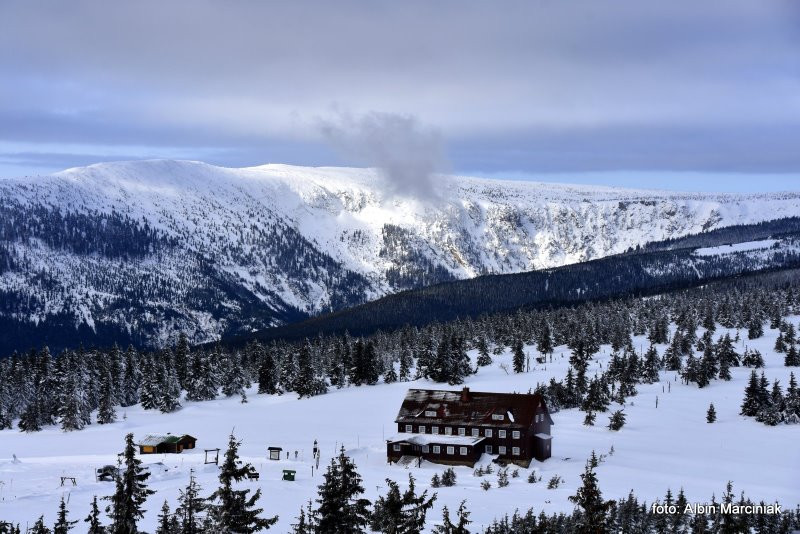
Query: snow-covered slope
{"points": [[665, 443], [218, 250]]}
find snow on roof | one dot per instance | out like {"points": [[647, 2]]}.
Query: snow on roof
{"points": [[154, 439], [543, 436], [436, 439]]}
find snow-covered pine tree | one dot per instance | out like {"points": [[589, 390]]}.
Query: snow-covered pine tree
{"points": [[711, 414], [167, 522], [652, 366], [589, 498], [39, 527], [203, 380], [63, 525], [183, 359], [308, 384], [170, 387], [268, 374], [406, 362], [305, 521], [518, 356], [190, 508], [617, 420], [341, 507], [459, 527], [751, 403], [93, 519], [150, 390], [127, 503], [105, 412], [132, 378], [232, 510], [398, 513]]}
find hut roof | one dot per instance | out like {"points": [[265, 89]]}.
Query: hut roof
{"points": [[473, 408], [157, 439]]}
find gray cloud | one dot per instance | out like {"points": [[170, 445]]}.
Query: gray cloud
{"points": [[407, 153], [524, 85]]}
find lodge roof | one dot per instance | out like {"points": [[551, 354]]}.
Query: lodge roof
{"points": [[473, 408], [154, 440]]}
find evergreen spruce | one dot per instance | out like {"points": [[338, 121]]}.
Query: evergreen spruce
{"points": [[341, 507], [105, 412], [308, 384], [167, 523], [190, 508], [711, 414], [231, 510], [404, 513], [39, 527], [63, 525], [448, 527], [617, 420], [751, 403], [518, 358], [131, 492], [93, 519], [594, 510]]}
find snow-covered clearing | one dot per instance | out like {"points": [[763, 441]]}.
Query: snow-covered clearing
{"points": [[736, 247], [671, 446]]}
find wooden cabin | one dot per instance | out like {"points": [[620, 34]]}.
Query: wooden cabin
{"points": [[457, 427], [158, 444]]}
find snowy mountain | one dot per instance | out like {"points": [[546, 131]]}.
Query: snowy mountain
{"points": [[138, 251]]}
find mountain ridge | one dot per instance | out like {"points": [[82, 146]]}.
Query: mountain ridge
{"points": [[218, 251]]}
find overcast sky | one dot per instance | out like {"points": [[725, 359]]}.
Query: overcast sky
{"points": [[517, 89]]}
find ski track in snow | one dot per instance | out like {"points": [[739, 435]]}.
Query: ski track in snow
{"points": [[671, 446]]}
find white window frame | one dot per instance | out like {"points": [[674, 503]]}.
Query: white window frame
{"points": [[488, 449], [515, 451], [434, 430], [462, 431], [462, 451], [410, 428], [487, 432], [430, 413], [451, 450], [448, 431], [501, 433], [437, 449], [498, 417], [421, 429], [514, 434], [396, 447], [476, 432], [501, 449]]}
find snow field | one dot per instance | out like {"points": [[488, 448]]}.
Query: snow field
{"points": [[671, 446]]}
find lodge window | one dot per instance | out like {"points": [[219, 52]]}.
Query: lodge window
{"points": [[462, 432], [396, 446], [448, 431], [501, 433], [514, 434], [451, 450], [515, 451], [437, 449], [425, 448], [476, 432], [430, 413], [463, 451], [488, 449], [409, 428], [421, 429], [488, 432], [434, 430], [501, 449], [498, 417]]}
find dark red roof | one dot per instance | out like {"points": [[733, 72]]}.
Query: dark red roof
{"points": [[472, 408]]}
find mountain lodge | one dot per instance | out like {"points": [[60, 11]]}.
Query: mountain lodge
{"points": [[457, 427]]}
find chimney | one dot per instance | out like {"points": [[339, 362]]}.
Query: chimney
{"points": [[465, 394]]}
